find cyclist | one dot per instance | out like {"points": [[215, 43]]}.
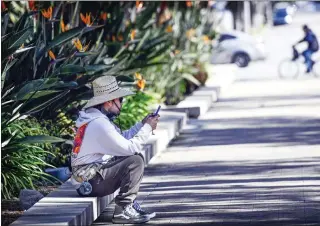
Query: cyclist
{"points": [[313, 46]]}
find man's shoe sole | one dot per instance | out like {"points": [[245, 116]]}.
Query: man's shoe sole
{"points": [[130, 221], [151, 215]]}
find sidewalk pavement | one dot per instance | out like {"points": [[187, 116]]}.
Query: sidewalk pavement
{"points": [[253, 159]]}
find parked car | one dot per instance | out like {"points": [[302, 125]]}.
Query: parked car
{"points": [[283, 13], [237, 47]]}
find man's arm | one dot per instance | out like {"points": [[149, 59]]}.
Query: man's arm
{"points": [[302, 40], [115, 144], [130, 133]]}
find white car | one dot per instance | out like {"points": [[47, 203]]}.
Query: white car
{"points": [[237, 47]]}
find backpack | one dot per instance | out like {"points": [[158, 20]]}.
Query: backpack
{"points": [[314, 43]]}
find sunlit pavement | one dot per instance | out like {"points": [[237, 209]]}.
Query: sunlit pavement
{"points": [[253, 159]]}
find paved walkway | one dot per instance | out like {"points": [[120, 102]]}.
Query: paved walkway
{"points": [[253, 159]]}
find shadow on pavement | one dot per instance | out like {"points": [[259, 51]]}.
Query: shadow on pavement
{"points": [[276, 131], [235, 193]]}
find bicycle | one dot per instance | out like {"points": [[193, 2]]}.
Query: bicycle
{"points": [[291, 68]]}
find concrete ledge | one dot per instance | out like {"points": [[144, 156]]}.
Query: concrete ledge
{"points": [[201, 98], [64, 206], [219, 77], [192, 112]]}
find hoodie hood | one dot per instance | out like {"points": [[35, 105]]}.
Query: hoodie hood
{"points": [[88, 115]]}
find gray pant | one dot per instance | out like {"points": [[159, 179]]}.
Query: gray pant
{"points": [[125, 173]]}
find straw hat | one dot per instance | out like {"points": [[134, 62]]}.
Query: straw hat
{"points": [[106, 88]]}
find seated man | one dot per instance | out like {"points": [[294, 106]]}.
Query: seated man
{"points": [[104, 158]]}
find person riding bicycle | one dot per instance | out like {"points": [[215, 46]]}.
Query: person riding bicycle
{"points": [[313, 46]]}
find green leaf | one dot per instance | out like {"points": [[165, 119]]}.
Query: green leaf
{"points": [[23, 50], [91, 28], [14, 42], [97, 67], [5, 23], [154, 42], [191, 78], [40, 139], [80, 54], [146, 35], [38, 94], [124, 78], [22, 21], [189, 56], [19, 38], [36, 107], [8, 66], [29, 87], [71, 84], [72, 69], [159, 51]]}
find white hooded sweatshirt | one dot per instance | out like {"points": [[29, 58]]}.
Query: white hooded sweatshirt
{"points": [[103, 139]]}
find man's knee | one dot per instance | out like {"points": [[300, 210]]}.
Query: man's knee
{"points": [[137, 160], [305, 53]]}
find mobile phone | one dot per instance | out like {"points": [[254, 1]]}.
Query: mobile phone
{"points": [[157, 111]]}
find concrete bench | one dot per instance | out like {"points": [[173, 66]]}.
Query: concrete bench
{"points": [[192, 112], [201, 100], [64, 207]]}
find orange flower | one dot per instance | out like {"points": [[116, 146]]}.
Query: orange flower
{"points": [[169, 29], [86, 47], [47, 13], [141, 84], [138, 75], [188, 3], [113, 38], [176, 51], [133, 34], [104, 16], [206, 39], [139, 4], [86, 19], [191, 32], [79, 46], [120, 38], [63, 26], [52, 56]]}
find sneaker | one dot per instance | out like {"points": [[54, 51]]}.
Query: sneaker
{"points": [[137, 207], [128, 215]]}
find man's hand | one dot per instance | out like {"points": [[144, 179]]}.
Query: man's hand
{"points": [[153, 121], [145, 118]]}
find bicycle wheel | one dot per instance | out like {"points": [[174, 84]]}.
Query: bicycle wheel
{"points": [[288, 69], [316, 69]]}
